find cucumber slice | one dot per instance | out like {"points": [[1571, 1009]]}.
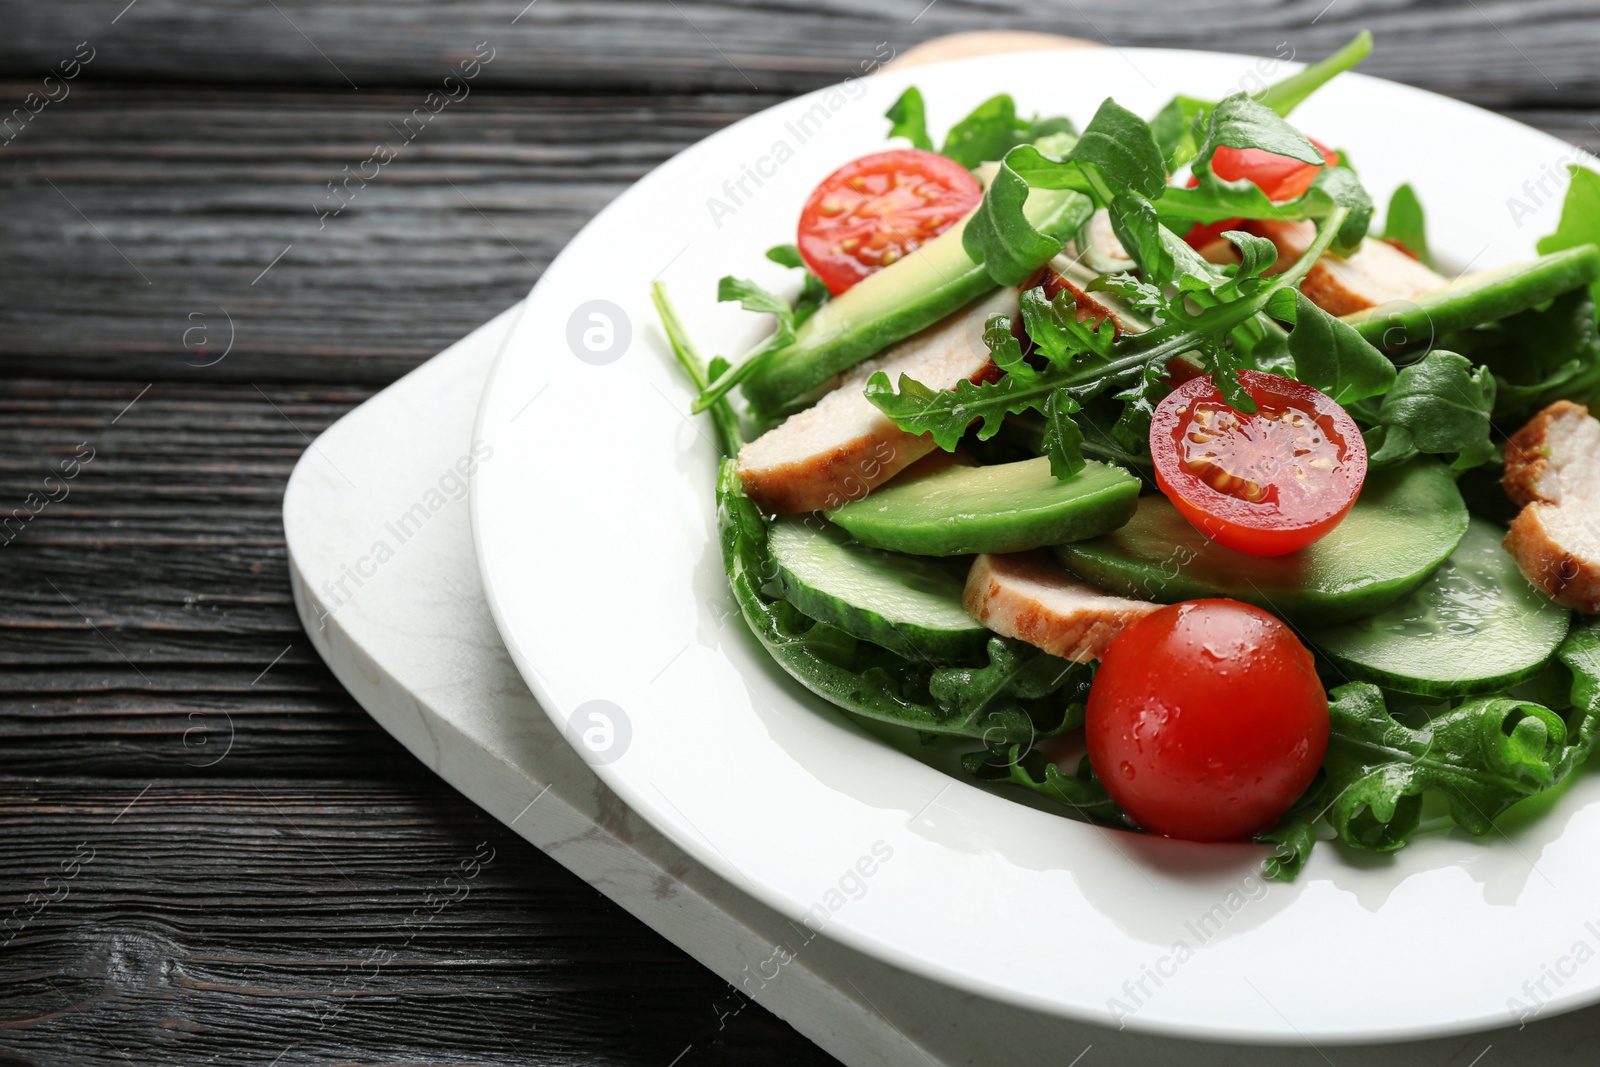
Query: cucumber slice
{"points": [[907, 604], [1475, 626], [1406, 522], [1007, 507]]}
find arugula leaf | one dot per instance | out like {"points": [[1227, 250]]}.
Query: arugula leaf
{"points": [[987, 134], [1439, 405], [1580, 218], [1286, 95], [1116, 152], [813, 294], [1579, 656], [1407, 224], [1016, 674], [1081, 794], [1179, 125], [786, 256], [909, 117], [1214, 200], [1137, 226], [1340, 185], [1178, 128], [1482, 757], [753, 297], [729, 435], [999, 235], [1057, 334], [1063, 440], [1240, 122], [1537, 356], [948, 414], [1331, 356], [1206, 332], [1122, 149], [1295, 834]]}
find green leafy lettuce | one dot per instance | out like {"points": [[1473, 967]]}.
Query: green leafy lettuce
{"points": [[813, 294], [1440, 405], [1580, 218], [1179, 125], [1407, 224], [988, 133]]}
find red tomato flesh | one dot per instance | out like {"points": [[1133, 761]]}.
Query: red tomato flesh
{"points": [[880, 208], [1206, 720], [1280, 177], [1265, 484]]}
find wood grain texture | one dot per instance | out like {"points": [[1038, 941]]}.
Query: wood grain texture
{"points": [[164, 206], [254, 921], [1500, 53], [149, 648]]}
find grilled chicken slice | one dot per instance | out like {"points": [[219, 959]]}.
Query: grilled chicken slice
{"points": [[1371, 276], [842, 448], [1553, 470], [1027, 595]]}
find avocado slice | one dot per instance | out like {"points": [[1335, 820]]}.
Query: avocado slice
{"points": [[1474, 299], [1406, 522], [1005, 507], [909, 295], [1475, 626]]}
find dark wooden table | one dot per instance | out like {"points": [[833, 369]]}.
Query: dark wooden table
{"points": [[204, 836]]}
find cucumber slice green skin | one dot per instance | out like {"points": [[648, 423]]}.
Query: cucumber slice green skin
{"points": [[1475, 626], [1406, 522], [907, 604], [893, 304], [1478, 298], [1006, 507]]}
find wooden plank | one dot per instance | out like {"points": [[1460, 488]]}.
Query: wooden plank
{"points": [[231, 913], [201, 189], [1496, 52], [142, 224], [260, 921]]}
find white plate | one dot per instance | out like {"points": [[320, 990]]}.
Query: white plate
{"points": [[595, 534]]}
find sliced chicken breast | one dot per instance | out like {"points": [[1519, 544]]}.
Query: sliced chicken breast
{"points": [[1027, 595], [1371, 276], [1553, 469], [842, 448]]}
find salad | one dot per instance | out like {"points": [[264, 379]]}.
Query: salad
{"points": [[1138, 460]]}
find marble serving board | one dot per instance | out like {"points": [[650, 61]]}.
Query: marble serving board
{"points": [[384, 577]]}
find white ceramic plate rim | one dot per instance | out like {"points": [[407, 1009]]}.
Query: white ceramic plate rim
{"points": [[1032, 870]]}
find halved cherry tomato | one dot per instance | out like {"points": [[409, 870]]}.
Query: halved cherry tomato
{"points": [[1206, 720], [1280, 177], [1264, 484], [879, 208]]}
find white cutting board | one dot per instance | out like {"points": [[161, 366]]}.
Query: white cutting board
{"points": [[381, 560]]}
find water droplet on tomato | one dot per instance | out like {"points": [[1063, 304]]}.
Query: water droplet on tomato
{"points": [[1127, 770]]}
